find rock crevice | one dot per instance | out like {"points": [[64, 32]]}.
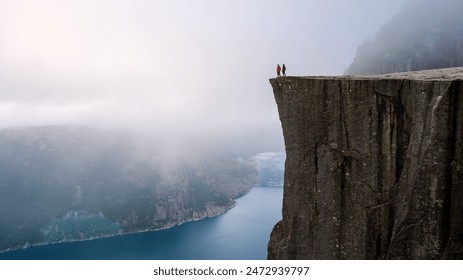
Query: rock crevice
{"points": [[374, 166]]}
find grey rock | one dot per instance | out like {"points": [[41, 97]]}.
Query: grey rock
{"points": [[374, 166]]}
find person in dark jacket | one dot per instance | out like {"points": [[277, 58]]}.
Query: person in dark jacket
{"points": [[278, 70], [284, 70]]}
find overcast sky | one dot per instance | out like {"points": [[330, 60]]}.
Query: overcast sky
{"points": [[183, 63]]}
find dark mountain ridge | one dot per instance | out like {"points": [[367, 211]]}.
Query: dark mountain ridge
{"points": [[426, 34]]}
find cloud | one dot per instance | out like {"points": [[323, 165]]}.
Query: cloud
{"points": [[168, 63]]}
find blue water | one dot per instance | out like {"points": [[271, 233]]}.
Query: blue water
{"points": [[241, 233]]}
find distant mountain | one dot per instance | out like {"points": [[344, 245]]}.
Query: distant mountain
{"points": [[61, 183], [426, 34], [271, 168]]}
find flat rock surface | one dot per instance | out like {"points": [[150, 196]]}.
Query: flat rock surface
{"points": [[432, 75]]}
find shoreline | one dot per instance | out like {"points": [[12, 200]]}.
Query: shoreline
{"points": [[205, 215]]}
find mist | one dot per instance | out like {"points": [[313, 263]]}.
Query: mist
{"points": [[188, 67], [425, 34]]}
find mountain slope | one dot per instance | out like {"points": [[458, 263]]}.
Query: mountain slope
{"points": [[61, 183], [426, 34]]}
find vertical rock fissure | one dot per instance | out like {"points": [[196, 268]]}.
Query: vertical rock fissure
{"points": [[448, 222], [343, 116], [402, 135], [402, 143], [455, 246], [343, 211]]}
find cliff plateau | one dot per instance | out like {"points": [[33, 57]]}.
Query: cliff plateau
{"points": [[374, 166]]}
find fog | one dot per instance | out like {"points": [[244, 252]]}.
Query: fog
{"points": [[184, 65], [426, 34]]}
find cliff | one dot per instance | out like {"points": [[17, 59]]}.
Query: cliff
{"points": [[374, 166]]}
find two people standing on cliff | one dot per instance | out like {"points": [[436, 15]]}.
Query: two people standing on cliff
{"points": [[281, 69]]}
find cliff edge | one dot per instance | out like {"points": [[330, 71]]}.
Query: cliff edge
{"points": [[374, 166]]}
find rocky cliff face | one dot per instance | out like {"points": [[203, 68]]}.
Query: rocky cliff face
{"points": [[374, 166]]}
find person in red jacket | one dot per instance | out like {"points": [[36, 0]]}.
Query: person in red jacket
{"points": [[278, 70]]}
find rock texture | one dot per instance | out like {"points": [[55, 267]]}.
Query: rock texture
{"points": [[374, 166]]}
